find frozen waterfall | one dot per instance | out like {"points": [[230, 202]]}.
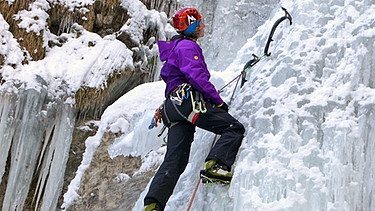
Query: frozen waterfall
{"points": [[309, 113], [308, 110]]}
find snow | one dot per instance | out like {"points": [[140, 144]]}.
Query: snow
{"points": [[34, 20], [308, 109], [85, 59], [9, 46]]}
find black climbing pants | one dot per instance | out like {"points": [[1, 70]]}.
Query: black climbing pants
{"points": [[180, 136]]}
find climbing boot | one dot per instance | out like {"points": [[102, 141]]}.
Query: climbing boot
{"points": [[215, 173], [152, 207]]}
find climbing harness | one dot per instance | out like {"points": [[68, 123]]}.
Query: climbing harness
{"points": [[178, 95], [183, 92]]}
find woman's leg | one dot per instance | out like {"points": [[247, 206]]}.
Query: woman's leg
{"points": [[180, 137], [231, 130]]}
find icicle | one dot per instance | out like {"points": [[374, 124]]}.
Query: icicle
{"points": [[7, 121], [57, 156], [367, 132], [35, 136], [25, 147]]}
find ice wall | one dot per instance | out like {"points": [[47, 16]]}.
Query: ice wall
{"points": [[309, 114], [35, 137], [231, 23]]}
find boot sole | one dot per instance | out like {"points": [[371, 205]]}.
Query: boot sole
{"points": [[209, 180]]}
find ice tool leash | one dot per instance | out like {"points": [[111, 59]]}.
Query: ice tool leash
{"points": [[242, 76]]}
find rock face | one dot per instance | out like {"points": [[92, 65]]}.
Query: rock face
{"points": [[32, 42], [105, 17], [109, 184], [93, 106], [104, 187]]}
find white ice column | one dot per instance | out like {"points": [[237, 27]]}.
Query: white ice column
{"points": [[7, 127], [25, 149]]}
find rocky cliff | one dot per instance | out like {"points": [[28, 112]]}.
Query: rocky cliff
{"points": [[35, 119]]}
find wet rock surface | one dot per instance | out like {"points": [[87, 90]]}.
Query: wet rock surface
{"points": [[110, 184]]}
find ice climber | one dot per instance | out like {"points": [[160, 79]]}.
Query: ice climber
{"points": [[191, 100]]}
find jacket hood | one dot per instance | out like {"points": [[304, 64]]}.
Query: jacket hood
{"points": [[165, 48]]}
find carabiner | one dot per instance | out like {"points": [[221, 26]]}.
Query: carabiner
{"points": [[203, 108], [187, 93], [195, 105]]}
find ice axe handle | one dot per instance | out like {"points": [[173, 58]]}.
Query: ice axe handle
{"points": [[286, 16]]}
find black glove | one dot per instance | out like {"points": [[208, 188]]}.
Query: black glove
{"points": [[224, 106]]}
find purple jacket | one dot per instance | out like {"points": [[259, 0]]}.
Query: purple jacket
{"points": [[184, 63]]}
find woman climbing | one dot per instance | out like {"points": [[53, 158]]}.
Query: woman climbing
{"points": [[191, 101]]}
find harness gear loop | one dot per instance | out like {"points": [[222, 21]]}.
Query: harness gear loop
{"points": [[198, 104]]}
